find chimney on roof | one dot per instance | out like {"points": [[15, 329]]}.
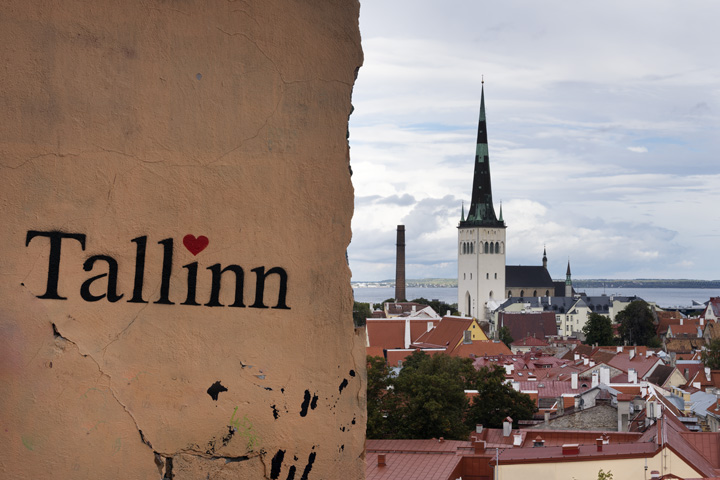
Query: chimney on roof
{"points": [[599, 443], [619, 349], [479, 446], [586, 360], [632, 375], [408, 339], [507, 427], [702, 321], [400, 265], [447, 314], [594, 379], [592, 364], [381, 460], [478, 428], [547, 416], [631, 354], [538, 442], [707, 373], [605, 375], [574, 380], [576, 356], [681, 321], [654, 474]]}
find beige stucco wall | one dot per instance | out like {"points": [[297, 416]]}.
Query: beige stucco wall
{"points": [[165, 121], [665, 462]]}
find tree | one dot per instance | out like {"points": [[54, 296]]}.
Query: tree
{"points": [[497, 400], [361, 311], [636, 324], [598, 330], [440, 307], [431, 396], [381, 401], [504, 336], [711, 355]]}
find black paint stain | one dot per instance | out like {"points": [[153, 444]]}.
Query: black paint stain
{"points": [[305, 404], [56, 334], [342, 448], [342, 429], [308, 467], [215, 390], [313, 404], [282, 390], [277, 464], [343, 384], [295, 457], [352, 373], [291, 473], [353, 421], [276, 414]]}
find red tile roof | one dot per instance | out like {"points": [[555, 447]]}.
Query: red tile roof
{"points": [[522, 325], [480, 348], [447, 333], [529, 342], [390, 333], [412, 459]]}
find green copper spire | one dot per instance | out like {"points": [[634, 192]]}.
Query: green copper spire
{"points": [[501, 219], [482, 212]]}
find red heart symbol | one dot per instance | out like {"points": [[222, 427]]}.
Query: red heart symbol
{"points": [[195, 245]]}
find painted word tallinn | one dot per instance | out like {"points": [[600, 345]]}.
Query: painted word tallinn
{"points": [[194, 246]]}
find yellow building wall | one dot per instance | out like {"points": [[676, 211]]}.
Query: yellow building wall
{"points": [[622, 469]]}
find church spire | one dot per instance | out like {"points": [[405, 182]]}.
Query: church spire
{"points": [[544, 260], [482, 212]]}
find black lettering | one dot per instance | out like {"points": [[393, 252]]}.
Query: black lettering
{"points": [[166, 271], [260, 287], [111, 293], [216, 283], [191, 283], [56, 238], [139, 270]]}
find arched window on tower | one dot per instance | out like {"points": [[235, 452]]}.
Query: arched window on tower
{"points": [[534, 293], [509, 293], [487, 247], [472, 247], [487, 276], [464, 247], [547, 293], [492, 247], [522, 293], [497, 247]]}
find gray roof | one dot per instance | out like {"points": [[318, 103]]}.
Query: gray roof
{"points": [[518, 276]]}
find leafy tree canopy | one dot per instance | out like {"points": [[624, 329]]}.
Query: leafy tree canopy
{"points": [[636, 324], [497, 400], [711, 355], [427, 398], [504, 336], [361, 311], [598, 330], [439, 306]]}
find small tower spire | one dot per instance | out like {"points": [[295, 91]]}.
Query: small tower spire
{"points": [[462, 212], [544, 257], [568, 282], [500, 219]]}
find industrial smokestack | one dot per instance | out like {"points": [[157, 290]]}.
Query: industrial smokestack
{"points": [[400, 265]]}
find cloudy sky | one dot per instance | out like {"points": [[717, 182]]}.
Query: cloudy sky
{"points": [[603, 125]]}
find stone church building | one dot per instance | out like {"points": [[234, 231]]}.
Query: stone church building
{"points": [[484, 279]]}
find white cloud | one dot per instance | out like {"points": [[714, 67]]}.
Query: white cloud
{"points": [[569, 107]]}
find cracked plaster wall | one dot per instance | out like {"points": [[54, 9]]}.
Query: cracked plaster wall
{"points": [[171, 121]]}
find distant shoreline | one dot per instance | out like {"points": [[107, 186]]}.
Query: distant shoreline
{"points": [[579, 283]]}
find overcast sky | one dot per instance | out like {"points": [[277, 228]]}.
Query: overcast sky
{"points": [[603, 129]]}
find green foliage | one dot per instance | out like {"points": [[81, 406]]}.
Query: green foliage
{"points": [[497, 400], [711, 355], [441, 308], [379, 401], [361, 311], [636, 324], [598, 330], [427, 398], [431, 392], [605, 476], [504, 336]]}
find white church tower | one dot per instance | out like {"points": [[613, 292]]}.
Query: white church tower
{"points": [[481, 238]]}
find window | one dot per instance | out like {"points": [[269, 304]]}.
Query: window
{"points": [[470, 275], [487, 247], [497, 247], [487, 276], [496, 276], [464, 276], [509, 293], [522, 293], [463, 248]]}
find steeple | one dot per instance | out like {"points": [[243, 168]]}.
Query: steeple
{"points": [[462, 212], [568, 282], [544, 257], [481, 211]]}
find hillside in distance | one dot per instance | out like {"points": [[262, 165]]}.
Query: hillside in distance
{"points": [[577, 283]]}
